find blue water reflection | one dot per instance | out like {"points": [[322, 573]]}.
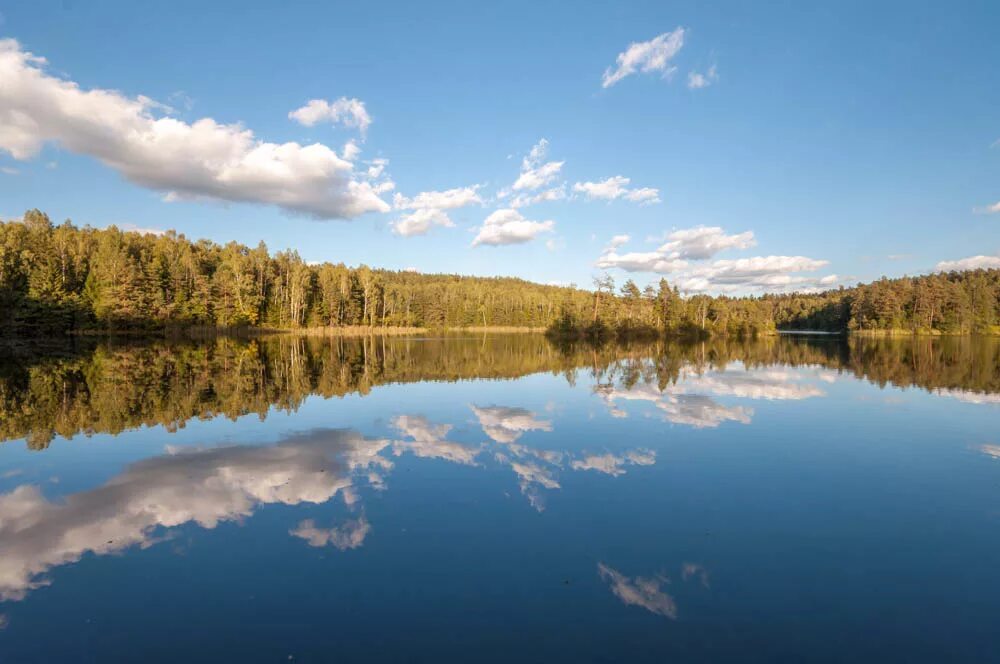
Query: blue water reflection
{"points": [[529, 503]]}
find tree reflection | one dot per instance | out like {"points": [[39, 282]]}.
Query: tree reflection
{"points": [[109, 388]]}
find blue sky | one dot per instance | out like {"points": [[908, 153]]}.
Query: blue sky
{"points": [[849, 140]]}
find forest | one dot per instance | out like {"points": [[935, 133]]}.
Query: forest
{"points": [[61, 278]]}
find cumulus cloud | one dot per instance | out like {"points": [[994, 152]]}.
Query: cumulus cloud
{"points": [[429, 209], [698, 243], [546, 195], [756, 273], [419, 222], [681, 246], [187, 161], [696, 80], [648, 56], [991, 450], [639, 591], [640, 261], [203, 486], [351, 151], [346, 112], [617, 187], [449, 199], [508, 226], [617, 241], [970, 263], [535, 171], [702, 242]]}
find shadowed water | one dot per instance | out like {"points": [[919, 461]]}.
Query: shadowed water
{"points": [[500, 498]]}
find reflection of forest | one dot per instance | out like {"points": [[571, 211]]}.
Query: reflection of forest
{"points": [[107, 388]]}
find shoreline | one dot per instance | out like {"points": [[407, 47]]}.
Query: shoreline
{"points": [[204, 332], [207, 332]]}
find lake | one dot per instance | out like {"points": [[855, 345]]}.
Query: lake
{"points": [[500, 498]]}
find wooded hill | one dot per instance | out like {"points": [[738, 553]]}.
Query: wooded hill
{"points": [[63, 278]]}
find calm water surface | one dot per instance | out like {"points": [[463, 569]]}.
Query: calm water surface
{"points": [[500, 499]]}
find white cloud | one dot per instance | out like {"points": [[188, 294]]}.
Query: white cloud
{"points": [[535, 171], [429, 209], [696, 80], [507, 226], [132, 228], [376, 168], [639, 591], [756, 273], [617, 187], [7, 170], [553, 194], [640, 261], [618, 241], [351, 150], [347, 112], [988, 209], [698, 243], [991, 450], [702, 242], [439, 200], [419, 222], [200, 160], [648, 56], [970, 263]]}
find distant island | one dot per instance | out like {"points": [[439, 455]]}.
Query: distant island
{"points": [[63, 279]]}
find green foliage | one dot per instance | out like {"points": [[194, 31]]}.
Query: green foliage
{"points": [[57, 279], [79, 279]]}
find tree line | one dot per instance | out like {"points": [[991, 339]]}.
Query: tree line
{"points": [[57, 278]]}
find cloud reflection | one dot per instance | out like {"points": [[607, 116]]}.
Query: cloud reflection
{"points": [[203, 486], [429, 441], [350, 535], [691, 399], [209, 486], [640, 591], [613, 465], [536, 468], [969, 396], [505, 424]]}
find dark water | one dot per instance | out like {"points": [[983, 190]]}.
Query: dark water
{"points": [[500, 499]]}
